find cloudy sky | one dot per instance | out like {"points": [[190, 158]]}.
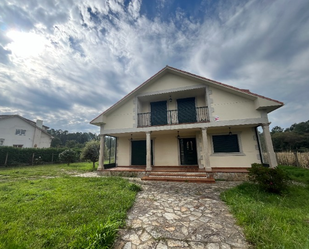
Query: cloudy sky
{"points": [[67, 61]]}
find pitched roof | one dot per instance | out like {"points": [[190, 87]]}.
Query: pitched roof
{"points": [[172, 69], [32, 123]]}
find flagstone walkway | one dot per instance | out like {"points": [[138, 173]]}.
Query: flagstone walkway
{"points": [[181, 215]]}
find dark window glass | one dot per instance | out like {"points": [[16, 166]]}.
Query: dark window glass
{"points": [[225, 143]]}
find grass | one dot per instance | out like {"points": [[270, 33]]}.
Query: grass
{"points": [[61, 212], [297, 174], [52, 170], [270, 220]]}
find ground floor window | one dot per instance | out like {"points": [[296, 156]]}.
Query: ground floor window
{"points": [[18, 145], [225, 143]]}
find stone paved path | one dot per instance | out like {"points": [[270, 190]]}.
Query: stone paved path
{"points": [[181, 215]]}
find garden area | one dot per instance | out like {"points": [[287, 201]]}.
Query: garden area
{"points": [[270, 218], [48, 207]]}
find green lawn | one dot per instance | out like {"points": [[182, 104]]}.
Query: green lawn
{"points": [[269, 220], [63, 211]]}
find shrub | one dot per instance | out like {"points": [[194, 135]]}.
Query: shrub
{"points": [[68, 156], [273, 180]]}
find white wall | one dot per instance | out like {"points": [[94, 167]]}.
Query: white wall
{"points": [[8, 129]]}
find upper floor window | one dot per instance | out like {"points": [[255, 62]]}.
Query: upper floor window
{"points": [[20, 132], [1, 141], [225, 143]]}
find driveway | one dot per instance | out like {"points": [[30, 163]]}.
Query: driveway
{"points": [[181, 215]]}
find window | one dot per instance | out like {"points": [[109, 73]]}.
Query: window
{"points": [[225, 143], [20, 132], [1, 141], [17, 145]]}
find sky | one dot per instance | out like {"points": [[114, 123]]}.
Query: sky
{"points": [[67, 61]]}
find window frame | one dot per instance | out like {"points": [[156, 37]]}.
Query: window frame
{"points": [[20, 132], [240, 153]]}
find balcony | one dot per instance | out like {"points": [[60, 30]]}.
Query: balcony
{"points": [[173, 117]]}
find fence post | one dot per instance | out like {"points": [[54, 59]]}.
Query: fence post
{"points": [[52, 158], [32, 159], [296, 159], [6, 159]]}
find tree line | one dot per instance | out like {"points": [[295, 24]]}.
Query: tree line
{"points": [[71, 140], [294, 138]]}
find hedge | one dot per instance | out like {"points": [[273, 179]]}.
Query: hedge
{"points": [[11, 156]]}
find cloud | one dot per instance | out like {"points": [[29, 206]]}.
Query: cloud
{"points": [[91, 53]]}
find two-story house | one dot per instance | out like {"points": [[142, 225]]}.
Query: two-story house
{"points": [[20, 132], [176, 118]]}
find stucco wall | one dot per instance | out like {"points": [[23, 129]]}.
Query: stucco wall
{"points": [[166, 150], [168, 82], [228, 106], [123, 157], [122, 117], [248, 146]]}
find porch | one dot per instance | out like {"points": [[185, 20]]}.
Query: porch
{"points": [[178, 173]]}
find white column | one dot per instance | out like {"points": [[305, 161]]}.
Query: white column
{"points": [[101, 157], [205, 150], [148, 151], [269, 146]]}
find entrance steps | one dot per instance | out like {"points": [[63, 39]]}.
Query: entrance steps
{"points": [[178, 174]]}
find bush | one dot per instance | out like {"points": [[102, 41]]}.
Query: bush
{"points": [[273, 180], [68, 156]]}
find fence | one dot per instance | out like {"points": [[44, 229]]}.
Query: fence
{"points": [[10, 156], [298, 159]]}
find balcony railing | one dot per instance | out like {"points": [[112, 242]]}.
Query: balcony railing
{"points": [[173, 117]]}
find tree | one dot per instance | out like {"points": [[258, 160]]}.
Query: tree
{"points": [[91, 152], [68, 156], [276, 129]]}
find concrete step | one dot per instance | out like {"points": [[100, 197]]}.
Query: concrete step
{"points": [[184, 174], [179, 179]]}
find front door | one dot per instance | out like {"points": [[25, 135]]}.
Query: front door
{"points": [[188, 154], [139, 151], [186, 110]]}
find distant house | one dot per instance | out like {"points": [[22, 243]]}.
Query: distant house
{"points": [[20, 132], [176, 118]]}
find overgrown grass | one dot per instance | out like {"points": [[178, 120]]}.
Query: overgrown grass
{"points": [[270, 220], [62, 212], [51, 170], [297, 174]]}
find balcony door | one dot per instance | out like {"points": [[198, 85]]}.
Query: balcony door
{"points": [[158, 113], [186, 110]]}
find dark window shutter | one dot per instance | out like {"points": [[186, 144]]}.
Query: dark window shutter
{"points": [[225, 143]]}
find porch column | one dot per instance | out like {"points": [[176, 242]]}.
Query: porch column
{"points": [[101, 157], [269, 146], [205, 150], [148, 151]]}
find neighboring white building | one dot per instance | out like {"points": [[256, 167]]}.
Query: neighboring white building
{"points": [[20, 132], [177, 118]]}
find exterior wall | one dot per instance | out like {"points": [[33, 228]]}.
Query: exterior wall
{"points": [[228, 106], [8, 129], [45, 141], [168, 82], [123, 157], [248, 146], [166, 150], [123, 117]]}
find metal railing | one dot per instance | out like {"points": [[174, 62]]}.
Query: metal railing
{"points": [[145, 119]]}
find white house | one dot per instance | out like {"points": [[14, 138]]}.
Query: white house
{"points": [[20, 132], [176, 118]]}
